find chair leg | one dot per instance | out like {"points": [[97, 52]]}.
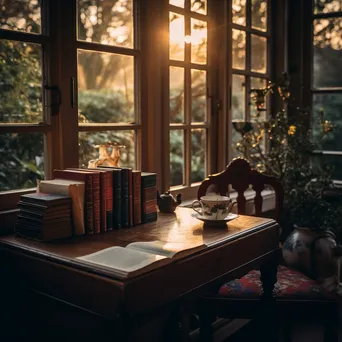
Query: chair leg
{"points": [[287, 331], [206, 331]]}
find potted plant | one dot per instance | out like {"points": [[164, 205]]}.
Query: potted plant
{"points": [[312, 218]]}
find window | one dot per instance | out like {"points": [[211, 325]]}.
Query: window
{"points": [[189, 119], [107, 74], [25, 102], [153, 76], [326, 81], [250, 63]]}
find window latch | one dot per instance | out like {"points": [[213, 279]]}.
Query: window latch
{"points": [[55, 98]]}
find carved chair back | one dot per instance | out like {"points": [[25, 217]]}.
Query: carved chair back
{"points": [[240, 176]]}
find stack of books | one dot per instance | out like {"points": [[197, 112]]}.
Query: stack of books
{"points": [[44, 216]]}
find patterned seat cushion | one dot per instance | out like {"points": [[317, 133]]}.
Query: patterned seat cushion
{"points": [[290, 284]]}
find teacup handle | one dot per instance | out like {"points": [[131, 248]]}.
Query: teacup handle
{"points": [[231, 205], [197, 209]]}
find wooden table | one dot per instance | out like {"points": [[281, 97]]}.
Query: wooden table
{"points": [[52, 268]]}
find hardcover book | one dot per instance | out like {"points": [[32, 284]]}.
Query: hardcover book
{"points": [[148, 197], [106, 198], [46, 199], [87, 178], [74, 189], [136, 179], [140, 257]]}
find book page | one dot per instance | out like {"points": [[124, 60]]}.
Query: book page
{"points": [[122, 259], [168, 249]]}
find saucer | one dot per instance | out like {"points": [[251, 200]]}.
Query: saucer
{"points": [[228, 218]]}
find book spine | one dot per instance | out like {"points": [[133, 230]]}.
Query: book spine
{"points": [[148, 203], [136, 176], [125, 198], [103, 202], [109, 200], [96, 206], [130, 197], [148, 180], [117, 192]]}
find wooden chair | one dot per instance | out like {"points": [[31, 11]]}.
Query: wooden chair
{"points": [[296, 296]]}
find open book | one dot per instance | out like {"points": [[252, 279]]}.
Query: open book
{"points": [[140, 257]]}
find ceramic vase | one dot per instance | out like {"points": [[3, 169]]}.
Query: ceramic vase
{"points": [[314, 253]]}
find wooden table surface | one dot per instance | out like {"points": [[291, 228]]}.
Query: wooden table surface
{"points": [[51, 268]]}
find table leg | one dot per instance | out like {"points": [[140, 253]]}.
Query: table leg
{"points": [[268, 277]]}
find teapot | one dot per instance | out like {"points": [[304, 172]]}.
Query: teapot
{"points": [[167, 203]]}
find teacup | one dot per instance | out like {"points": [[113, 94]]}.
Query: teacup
{"points": [[213, 207]]}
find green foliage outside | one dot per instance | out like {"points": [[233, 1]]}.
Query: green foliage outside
{"points": [[288, 156]]}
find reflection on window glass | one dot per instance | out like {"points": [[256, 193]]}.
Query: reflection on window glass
{"points": [[258, 53], [108, 22], [331, 107], [198, 149], [239, 12], [198, 95], [176, 94], [320, 162], [176, 157], [198, 41], [327, 53], [19, 15], [199, 6], [22, 160], [258, 83], [178, 3], [236, 138], [238, 98], [87, 141], [239, 49], [259, 15], [327, 6], [105, 87], [20, 82], [176, 27]]}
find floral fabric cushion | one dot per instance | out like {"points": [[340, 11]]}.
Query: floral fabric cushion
{"points": [[290, 283]]}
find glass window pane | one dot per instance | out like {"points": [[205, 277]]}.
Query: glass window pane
{"points": [[198, 95], [176, 94], [198, 155], [239, 49], [259, 54], [331, 104], [319, 162], [88, 151], [199, 6], [22, 160], [178, 3], [259, 15], [327, 53], [19, 15], [327, 6], [105, 87], [176, 157], [199, 40], [236, 143], [20, 82], [258, 83], [238, 98], [108, 22], [176, 27], [239, 12]]}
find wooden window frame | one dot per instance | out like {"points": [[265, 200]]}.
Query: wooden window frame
{"points": [[247, 72], [187, 189]]}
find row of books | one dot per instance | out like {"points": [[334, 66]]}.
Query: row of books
{"points": [[105, 198]]}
